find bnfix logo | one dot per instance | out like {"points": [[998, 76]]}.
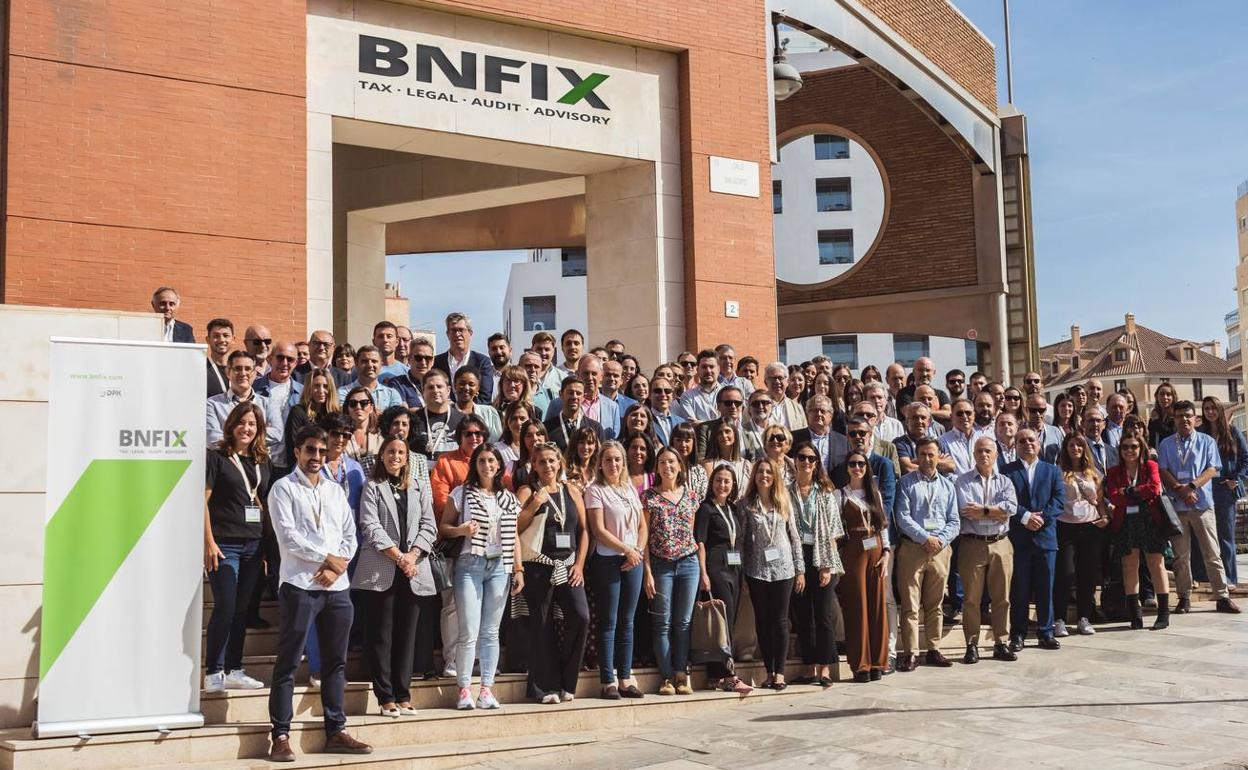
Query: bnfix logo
{"points": [[152, 438], [388, 58]]}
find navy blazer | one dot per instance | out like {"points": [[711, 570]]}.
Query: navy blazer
{"points": [[1047, 495], [554, 430], [182, 332], [478, 361]]}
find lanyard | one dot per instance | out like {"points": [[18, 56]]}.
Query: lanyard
{"points": [[773, 519], [251, 491], [212, 367], [1185, 454], [429, 435], [729, 521], [802, 511], [560, 517]]}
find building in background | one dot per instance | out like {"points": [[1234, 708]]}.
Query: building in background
{"points": [[1136, 357], [398, 307], [547, 293], [1241, 293], [1235, 357]]}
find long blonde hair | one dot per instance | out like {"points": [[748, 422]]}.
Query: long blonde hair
{"points": [[779, 494]]}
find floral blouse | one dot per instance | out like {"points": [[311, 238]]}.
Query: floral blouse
{"points": [[671, 524]]}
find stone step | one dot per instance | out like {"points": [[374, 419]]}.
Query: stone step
{"points": [[233, 742]]}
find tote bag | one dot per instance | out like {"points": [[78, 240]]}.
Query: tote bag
{"points": [[709, 634]]}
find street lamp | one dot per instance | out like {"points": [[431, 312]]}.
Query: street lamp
{"points": [[785, 78]]}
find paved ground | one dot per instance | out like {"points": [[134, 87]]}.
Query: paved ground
{"points": [[1119, 699]]}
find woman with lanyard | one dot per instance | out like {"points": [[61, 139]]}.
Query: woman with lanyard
{"points": [[820, 527], [637, 420], [581, 459], [392, 582], [532, 436], [319, 398], [482, 515], [467, 387], [1079, 536], [236, 482], [724, 448], [365, 437], [515, 417], [717, 531], [554, 543], [639, 456], [672, 567], [771, 554], [614, 511], [685, 440], [1133, 488], [776, 443], [861, 590]]}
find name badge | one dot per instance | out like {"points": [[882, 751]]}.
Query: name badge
{"points": [[933, 525], [493, 551], [563, 540], [1133, 509], [808, 538], [734, 559], [870, 543], [251, 514], [771, 554], [630, 540]]}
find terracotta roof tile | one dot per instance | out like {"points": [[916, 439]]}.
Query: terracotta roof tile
{"points": [[1154, 353]]}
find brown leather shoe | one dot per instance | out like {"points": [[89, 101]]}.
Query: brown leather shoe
{"points": [[905, 662], [1226, 605], [341, 743], [936, 658], [281, 751]]}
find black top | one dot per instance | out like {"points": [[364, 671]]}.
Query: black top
{"points": [[1159, 429], [710, 529], [906, 395], [400, 506], [229, 498], [423, 421], [216, 386], [571, 525], [296, 420]]}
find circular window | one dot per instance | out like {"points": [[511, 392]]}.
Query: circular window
{"points": [[829, 200]]}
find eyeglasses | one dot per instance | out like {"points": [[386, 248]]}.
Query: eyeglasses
{"points": [[964, 413], [359, 403], [855, 464], [776, 438], [292, 359], [733, 404], [415, 357], [264, 340], [662, 391], [321, 343], [1037, 409], [858, 434], [807, 458]]}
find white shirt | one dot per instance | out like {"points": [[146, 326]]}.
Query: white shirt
{"points": [[454, 364], [889, 428], [169, 330], [220, 406], [1031, 481], [697, 404], [303, 540]]}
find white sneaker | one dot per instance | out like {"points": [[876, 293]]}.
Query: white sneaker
{"points": [[1059, 628], [1085, 627], [238, 680], [550, 698], [406, 711], [486, 699], [314, 682], [449, 671], [566, 696], [465, 700], [214, 682]]}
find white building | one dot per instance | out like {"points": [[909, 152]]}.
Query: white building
{"points": [[546, 293]]}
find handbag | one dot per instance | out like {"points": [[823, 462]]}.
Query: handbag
{"points": [[708, 632], [1169, 517], [440, 566], [531, 538]]}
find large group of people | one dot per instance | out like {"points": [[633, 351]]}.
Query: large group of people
{"points": [[565, 507]]}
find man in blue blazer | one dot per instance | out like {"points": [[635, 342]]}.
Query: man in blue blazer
{"points": [[459, 334], [1033, 533]]}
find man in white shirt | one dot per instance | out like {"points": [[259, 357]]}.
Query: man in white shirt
{"points": [[241, 372], [886, 428], [698, 403], [166, 301], [315, 531], [787, 411], [726, 357]]}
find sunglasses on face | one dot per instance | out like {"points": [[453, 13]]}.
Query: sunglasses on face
{"points": [[859, 464], [964, 413], [731, 404], [1012, 397], [1125, 447], [342, 434], [956, 382], [807, 459], [260, 340], [1032, 381], [421, 358], [357, 403], [473, 434], [662, 391], [688, 364], [1036, 409], [776, 439], [858, 434]]}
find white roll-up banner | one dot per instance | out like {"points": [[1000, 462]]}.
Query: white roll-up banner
{"points": [[119, 643]]}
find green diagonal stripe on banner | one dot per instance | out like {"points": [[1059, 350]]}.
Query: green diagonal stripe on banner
{"points": [[90, 536]]}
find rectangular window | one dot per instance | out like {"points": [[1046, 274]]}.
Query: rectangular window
{"points": [[1121, 355], [777, 198], [539, 314], [1189, 355], [972, 354], [833, 194], [783, 350], [836, 247], [908, 348], [1198, 388], [1232, 391], [1164, 379], [1120, 385], [842, 350], [1074, 362], [831, 147], [573, 262]]}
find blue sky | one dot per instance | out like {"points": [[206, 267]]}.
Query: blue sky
{"points": [[1138, 119]]}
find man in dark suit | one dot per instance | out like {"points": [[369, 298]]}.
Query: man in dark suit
{"points": [[459, 335], [862, 439], [165, 301], [560, 427], [730, 403], [832, 446], [1033, 533]]}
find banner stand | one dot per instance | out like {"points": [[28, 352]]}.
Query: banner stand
{"points": [[122, 616]]}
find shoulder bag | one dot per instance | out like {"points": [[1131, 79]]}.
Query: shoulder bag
{"points": [[708, 632]]}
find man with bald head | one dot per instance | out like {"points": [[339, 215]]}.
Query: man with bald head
{"points": [[926, 395], [924, 374], [895, 379], [259, 343], [986, 501]]}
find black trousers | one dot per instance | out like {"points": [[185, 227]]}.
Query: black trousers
{"points": [[554, 666], [1078, 564], [390, 619], [816, 611], [725, 586], [332, 612], [771, 620]]}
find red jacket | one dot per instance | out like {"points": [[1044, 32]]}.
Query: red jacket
{"points": [[1121, 494]]}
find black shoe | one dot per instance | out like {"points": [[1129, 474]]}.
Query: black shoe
{"points": [[1049, 643], [1016, 644], [826, 681], [259, 624], [1227, 606], [1002, 652], [1163, 612], [936, 658], [1135, 611], [1184, 606], [862, 677], [876, 674], [429, 675], [905, 662], [972, 654]]}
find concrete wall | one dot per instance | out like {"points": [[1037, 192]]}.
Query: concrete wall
{"points": [[947, 352], [24, 347], [543, 276]]}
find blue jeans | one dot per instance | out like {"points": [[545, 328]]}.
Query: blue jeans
{"points": [[617, 593], [671, 610], [480, 595], [1224, 516], [233, 582]]}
